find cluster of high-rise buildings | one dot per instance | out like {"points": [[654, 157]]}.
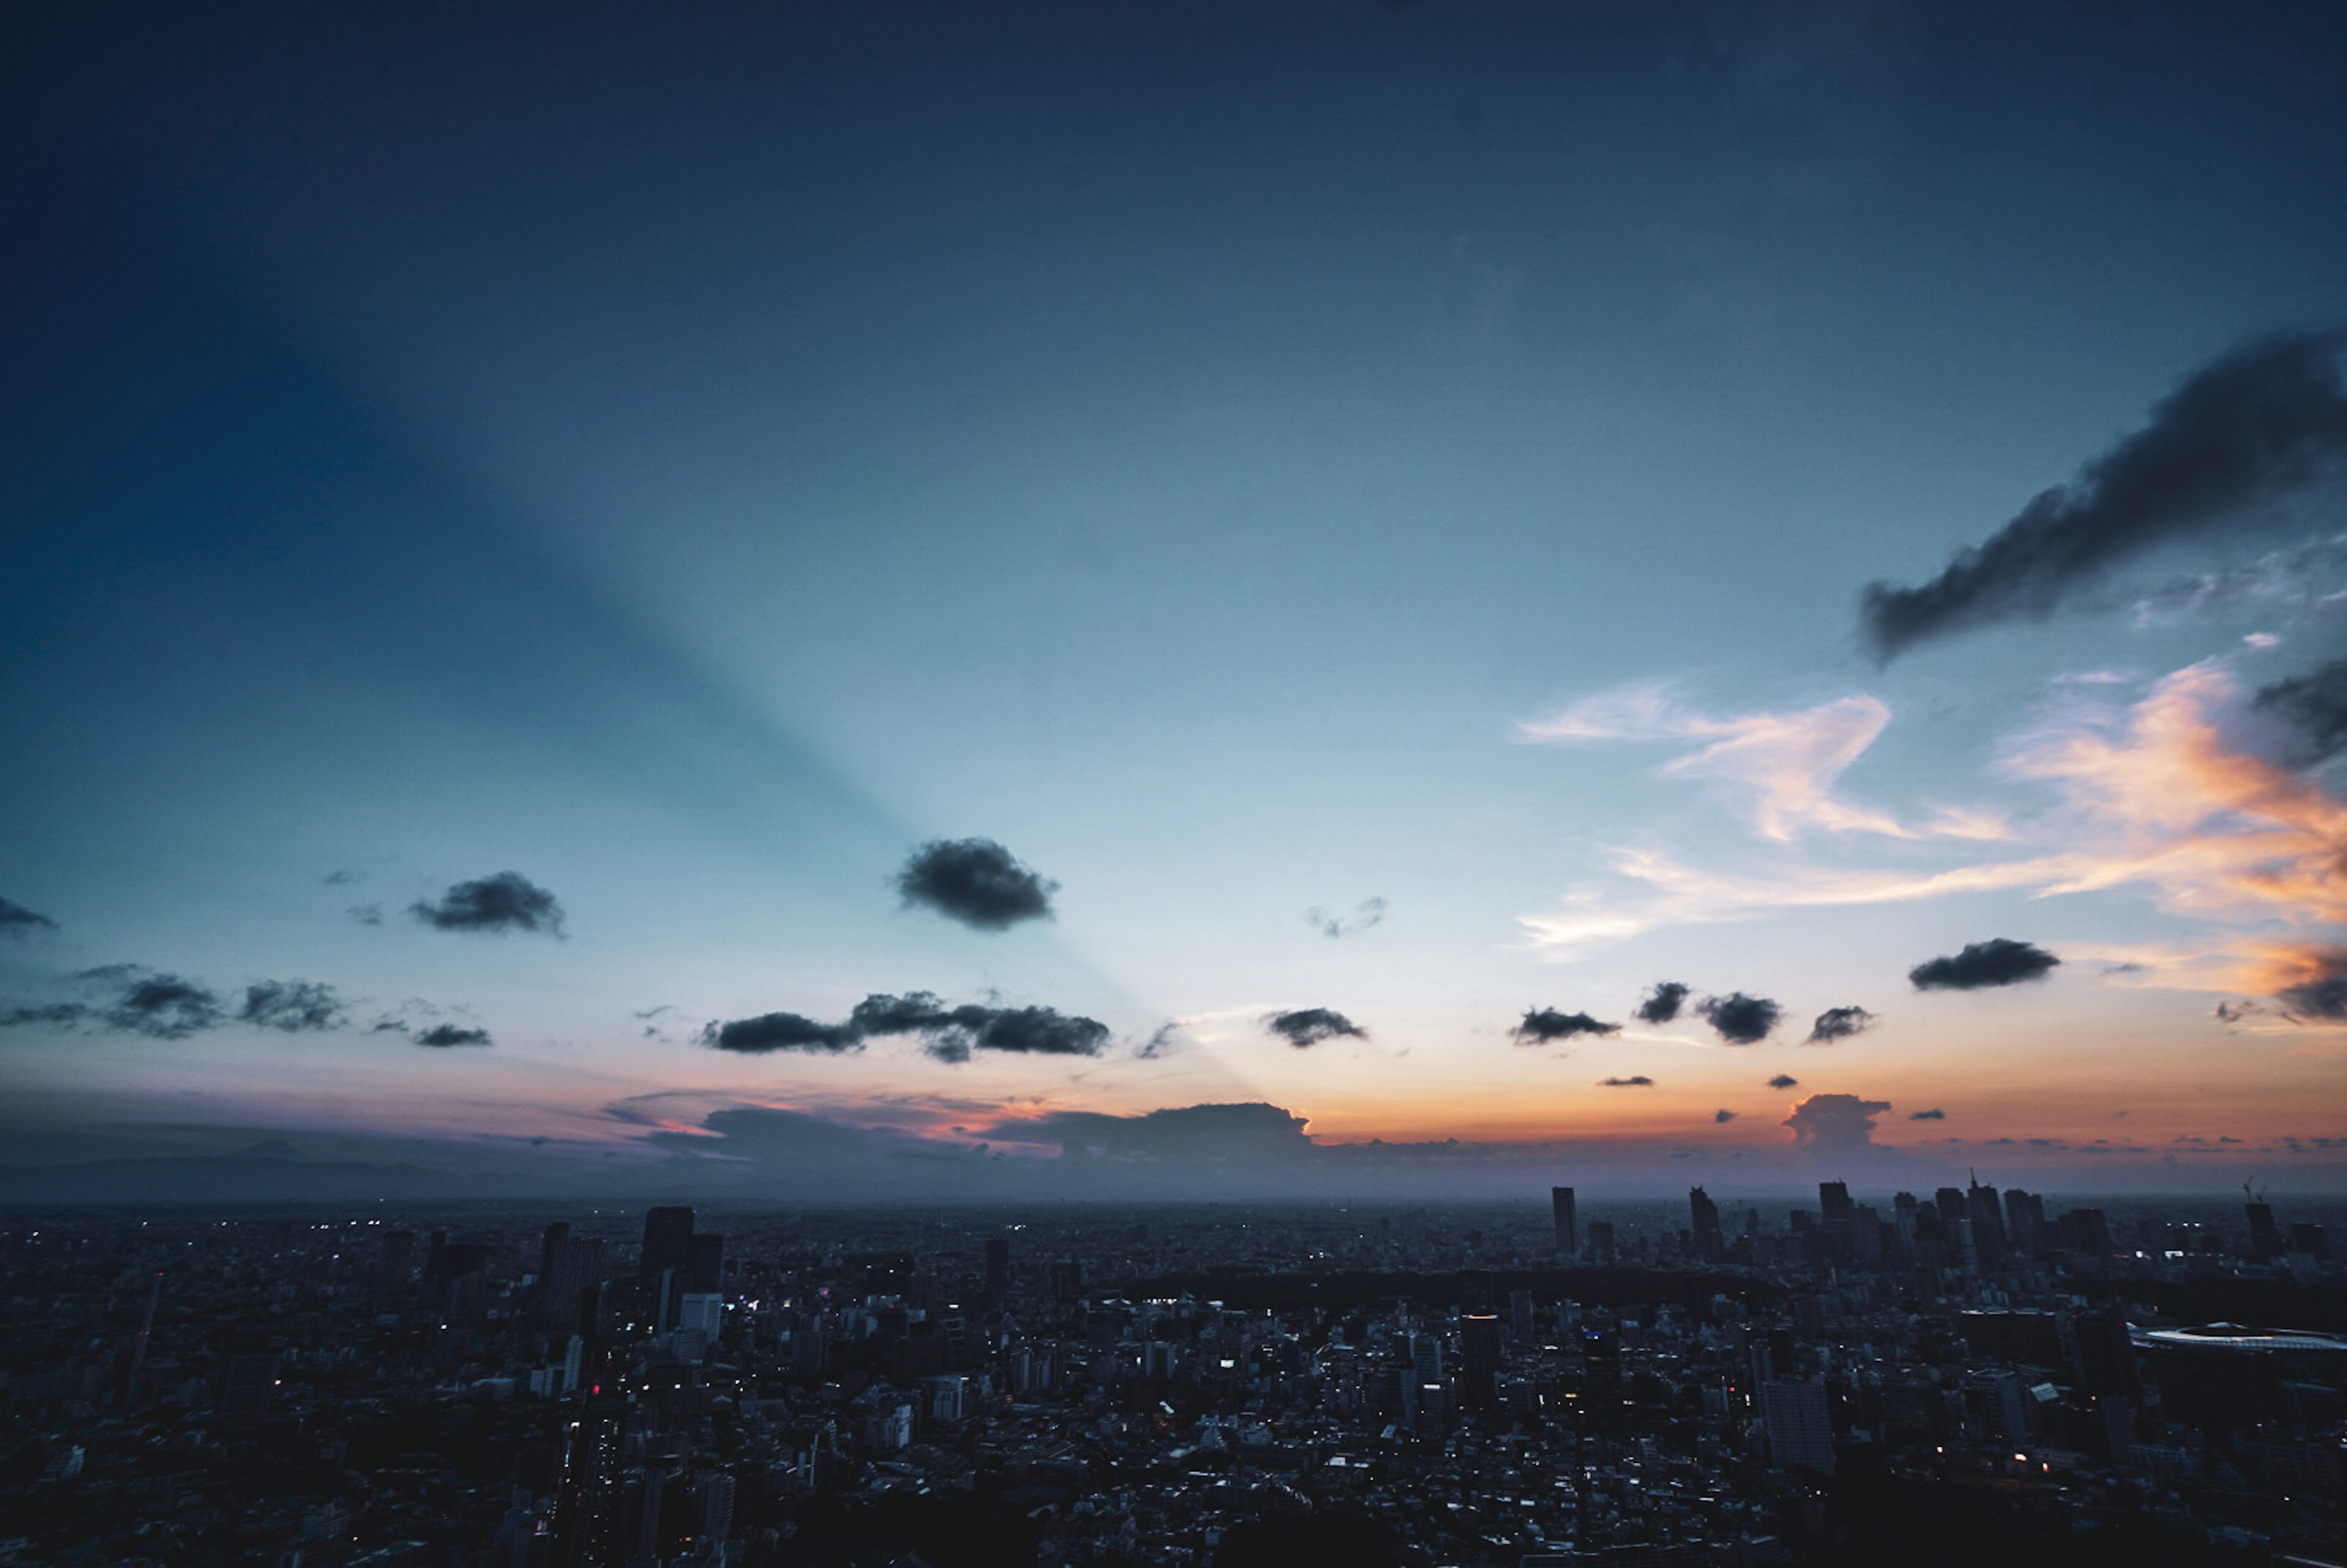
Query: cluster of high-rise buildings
{"points": [[1624, 1383]]}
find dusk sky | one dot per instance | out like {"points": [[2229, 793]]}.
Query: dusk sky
{"points": [[778, 594]]}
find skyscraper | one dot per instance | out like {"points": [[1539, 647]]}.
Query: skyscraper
{"points": [[1710, 1245], [1800, 1432], [1479, 1354], [705, 1261], [997, 1269], [1987, 1214], [667, 1243], [1568, 1229]]}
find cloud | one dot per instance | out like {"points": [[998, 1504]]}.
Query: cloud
{"points": [[2315, 707], [441, 1035], [2321, 994], [147, 1001], [1164, 1040], [1663, 1003], [975, 881], [1999, 961], [1369, 913], [1310, 1026], [1784, 1080], [1542, 1025], [1779, 768], [2259, 421], [507, 901], [2237, 1012], [366, 914], [950, 1034], [1839, 1023], [1722, 1118], [16, 920], [1639, 1081], [1252, 1130], [56, 1015], [1835, 1120], [781, 1031], [294, 1006], [1935, 1114], [1740, 1019]]}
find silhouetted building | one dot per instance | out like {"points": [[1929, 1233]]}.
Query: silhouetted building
{"points": [[1710, 1244], [2265, 1236], [2024, 1222], [997, 1269], [667, 1243], [1568, 1229], [705, 1261], [1987, 1217], [2086, 1232], [1478, 1356], [1800, 1428], [1601, 1240]]}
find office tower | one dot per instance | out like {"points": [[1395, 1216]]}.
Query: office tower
{"points": [[1479, 1353], [1950, 1202], [2086, 1232], [1521, 1321], [2265, 1236], [998, 1270], [1601, 1240], [1833, 1200], [2024, 1222], [667, 1243], [705, 1261], [578, 1266], [549, 1251], [1800, 1432], [1568, 1232], [1710, 1245], [1981, 1206], [1067, 1280]]}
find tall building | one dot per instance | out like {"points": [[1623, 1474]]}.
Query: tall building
{"points": [[1981, 1206], [705, 1261], [549, 1251], [1568, 1229], [997, 1269], [1479, 1355], [2025, 1221], [2265, 1236], [1833, 1200], [667, 1243], [1799, 1429], [578, 1266], [1710, 1244]]}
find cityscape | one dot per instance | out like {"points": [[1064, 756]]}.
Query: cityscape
{"points": [[1961, 1375]]}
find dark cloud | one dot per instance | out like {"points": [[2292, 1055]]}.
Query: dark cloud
{"points": [[161, 1006], [1640, 1082], [781, 1031], [1839, 1023], [1784, 1080], [1722, 1117], [1310, 1026], [16, 920], [1740, 1019], [1835, 1120], [1935, 1114], [367, 914], [1368, 914], [441, 1035], [507, 901], [1663, 1003], [2322, 996], [2315, 707], [975, 881], [339, 878], [2247, 428], [950, 1034], [2237, 1012], [1542, 1025], [56, 1015], [1999, 961], [1168, 1038], [1252, 1130], [294, 1006]]}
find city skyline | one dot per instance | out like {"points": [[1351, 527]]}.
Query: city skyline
{"points": [[1354, 599]]}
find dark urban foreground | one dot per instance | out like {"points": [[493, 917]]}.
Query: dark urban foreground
{"points": [[1958, 1378]]}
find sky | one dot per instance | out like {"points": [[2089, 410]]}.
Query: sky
{"points": [[919, 601]]}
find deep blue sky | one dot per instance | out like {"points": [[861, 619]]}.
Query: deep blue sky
{"points": [[691, 456]]}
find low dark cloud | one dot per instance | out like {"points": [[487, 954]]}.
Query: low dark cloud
{"points": [[1310, 1026], [1935, 1114], [2323, 997], [442, 1036], [781, 1031], [1252, 1130], [1662, 1004], [294, 1006], [2258, 422], [1835, 1120], [975, 881], [507, 901], [948, 1034], [2314, 708], [1542, 1025], [16, 920], [1722, 1118], [52, 1015], [1839, 1023], [1784, 1080], [1999, 961], [1639, 1081], [1168, 1037], [159, 1005], [1369, 913], [1740, 1019]]}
